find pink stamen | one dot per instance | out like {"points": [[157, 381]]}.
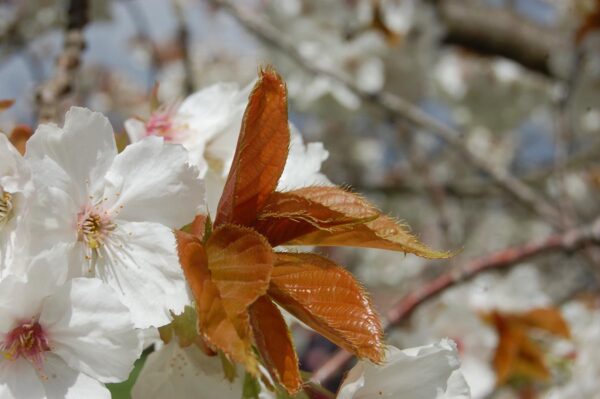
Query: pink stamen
{"points": [[29, 341], [165, 123], [160, 124]]}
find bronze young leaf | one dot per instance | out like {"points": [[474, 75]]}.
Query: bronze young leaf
{"points": [[236, 276]]}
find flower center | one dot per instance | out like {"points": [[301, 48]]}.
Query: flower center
{"points": [[6, 206], [29, 341], [160, 124], [93, 228], [165, 123]]}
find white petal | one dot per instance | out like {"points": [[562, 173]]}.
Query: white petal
{"points": [[303, 165], [140, 262], [371, 75], [15, 178], [136, 129], [478, 373], [215, 183], [196, 148], [15, 234], [84, 148], [182, 373], [91, 330], [214, 116], [344, 96], [212, 110], [18, 380], [220, 151], [54, 208], [457, 387], [152, 181], [416, 373], [14, 172], [63, 382], [22, 298], [149, 336], [520, 290]]}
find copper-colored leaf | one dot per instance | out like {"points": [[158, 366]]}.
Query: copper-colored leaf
{"points": [[192, 258], [350, 205], [274, 343], [19, 136], [240, 261], [507, 350], [328, 298], [548, 319], [261, 152], [531, 361], [383, 233], [231, 335], [6, 104], [518, 354], [292, 214], [535, 371]]}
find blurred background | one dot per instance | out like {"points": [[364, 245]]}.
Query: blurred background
{"points": [[475, 121]]}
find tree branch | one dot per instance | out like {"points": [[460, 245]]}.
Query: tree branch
{"points": [[399, 108], [183, 41], [500, 32], [569, 241], [54, 90]]}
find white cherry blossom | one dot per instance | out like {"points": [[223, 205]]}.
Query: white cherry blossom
{"points": [[584, 323], [358, 59], [62, 340], [426, 372], [111, 215], [303, 165], [15, 190], [476, 341], [208, 124], [175, 372], [182, 373]]}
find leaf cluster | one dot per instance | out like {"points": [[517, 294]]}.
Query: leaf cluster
{"points": [[239, 278]]}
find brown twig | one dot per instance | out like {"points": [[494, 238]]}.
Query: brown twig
{"points": [[570, 241], [397, 107], [60, 85], [183, 41], [500, 32], [563, 138]]}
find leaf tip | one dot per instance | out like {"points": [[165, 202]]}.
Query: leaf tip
{"points": [[267, 75]]}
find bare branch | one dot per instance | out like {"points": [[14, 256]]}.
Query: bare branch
{"points": [[501, 32], [399, 108], [60, 85], [183, 40], [569, 241]]}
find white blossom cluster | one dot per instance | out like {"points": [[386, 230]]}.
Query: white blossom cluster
{"points": [[89, 264]]}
